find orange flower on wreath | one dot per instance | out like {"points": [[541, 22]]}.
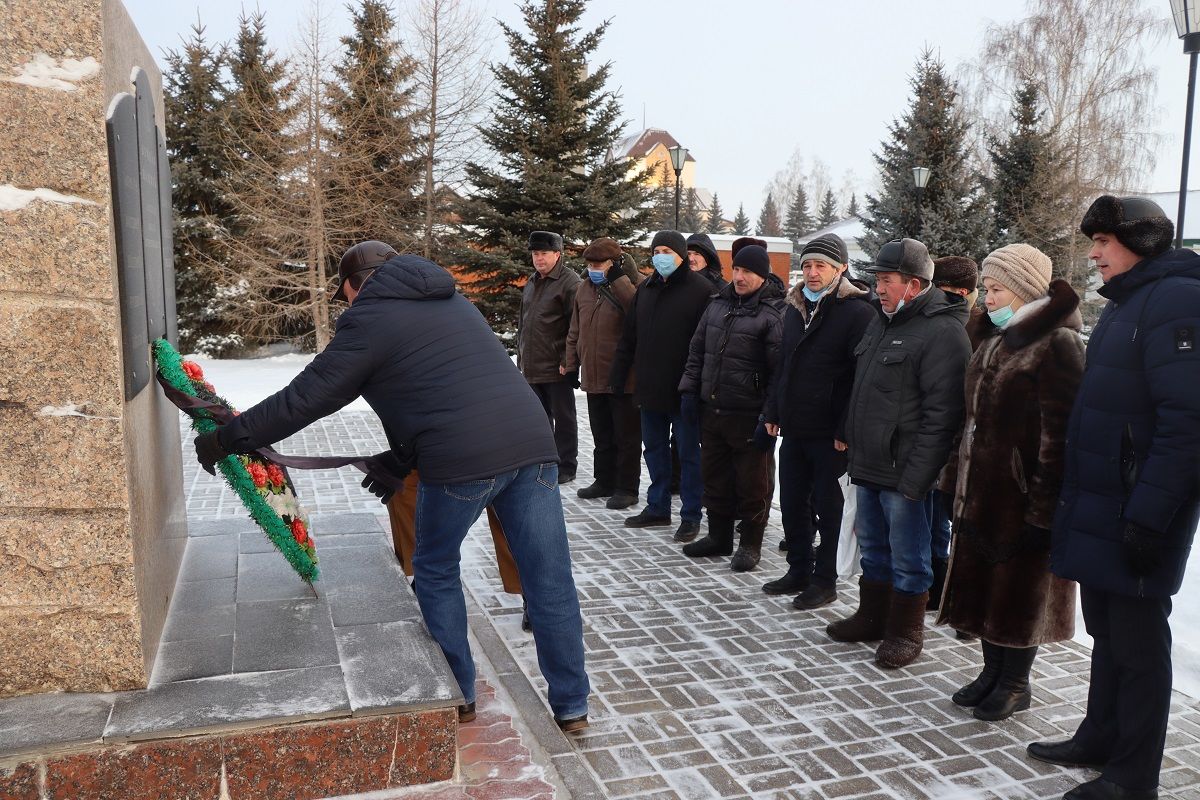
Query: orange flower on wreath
{"points": [[274, 475], [299, 532], [258, 474], [193, 370]]}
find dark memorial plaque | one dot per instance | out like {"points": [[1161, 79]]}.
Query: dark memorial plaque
{"points": [[121, 128], [166, 222], [152, 244]]}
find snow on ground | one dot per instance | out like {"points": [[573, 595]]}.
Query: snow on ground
{"points": [[244, 382]]}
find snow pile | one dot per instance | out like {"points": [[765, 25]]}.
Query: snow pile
{"points": [[14, 199], [46, 72]]}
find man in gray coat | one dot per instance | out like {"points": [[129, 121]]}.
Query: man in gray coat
{"points": [[905, 409]]}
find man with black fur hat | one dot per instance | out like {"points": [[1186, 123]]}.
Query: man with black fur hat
{"points": [[823, 322], [601, 305], [654, 344], [546, 304], [905, 411], [731, 369], [1130, 499], [702, 258]]}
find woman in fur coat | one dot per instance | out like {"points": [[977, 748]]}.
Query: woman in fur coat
{"points": [[1006, 475]]}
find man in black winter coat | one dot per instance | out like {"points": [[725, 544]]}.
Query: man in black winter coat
{"points": [[731, 368], [654, 345], [1130, 499], [823, 323], [905, 409], [444, 388], [702, 258]]}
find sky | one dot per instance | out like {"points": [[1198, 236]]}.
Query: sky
{"points": [[744, 85]]}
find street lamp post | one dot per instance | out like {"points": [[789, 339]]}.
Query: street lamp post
{"points": [[920, 180], [1187, 25], [678, 157]]}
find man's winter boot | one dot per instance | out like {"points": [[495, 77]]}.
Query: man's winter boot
{"points": [[1012, 692], [869, 620], [939, 582], [794, 582], [904, 636], [974, 692], [749, 549], [718, 542]]}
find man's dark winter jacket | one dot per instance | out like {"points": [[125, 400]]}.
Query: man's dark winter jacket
{"points": [[1133, 441], [701, 243], [596, 326], [813, 390], [733, 360], [546, 305], [658, 331], [907, 402], [432, 370]]}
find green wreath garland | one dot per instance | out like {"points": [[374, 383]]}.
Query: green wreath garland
{"points": [[263, 486]]}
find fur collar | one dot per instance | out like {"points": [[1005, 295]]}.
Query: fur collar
{"points": [[845, 289], [1058, 309]]}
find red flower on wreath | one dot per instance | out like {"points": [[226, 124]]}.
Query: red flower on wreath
{"points": [[299, 532], [193, 370], [274, 475], [257, 474]]}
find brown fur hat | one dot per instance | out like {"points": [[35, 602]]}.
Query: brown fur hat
{"points": [[1139, 224], [738, 244], [958, 272]]}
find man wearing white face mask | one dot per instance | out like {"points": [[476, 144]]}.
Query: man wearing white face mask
{"points": [[654, 344], [905, 410]]}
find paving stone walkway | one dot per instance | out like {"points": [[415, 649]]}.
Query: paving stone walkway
{"points": [[704, 687]]}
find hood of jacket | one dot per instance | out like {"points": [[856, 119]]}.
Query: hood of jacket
{"points": [[847, 287], [407, 277], [1182, 263], [702, 243]]}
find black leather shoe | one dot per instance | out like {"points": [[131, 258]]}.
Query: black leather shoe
{"points": [[572, 724], [566, 477], [815, 596], [596, 489], [783, 545], [792, 582], [1065, 754], [621, 500], [1003, 702], [686, 531], [646, 519], [526, 625], [1100, 789], [466, 712]]}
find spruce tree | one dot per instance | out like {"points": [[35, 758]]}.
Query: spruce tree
{"points": [[852, 209], [552, 129], [1029, 187], [954, 216], [691, 217], [827, 215], [715, 222], [376, 164], [193, 93], [768, 219], [662, 200], [741, 223], [799, 222]]}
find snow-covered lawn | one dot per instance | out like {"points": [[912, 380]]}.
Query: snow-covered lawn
{"points": [[244, 382]]}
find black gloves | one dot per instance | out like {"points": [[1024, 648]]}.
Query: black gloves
{"points": [[614, 272], [1143, 549], [394, 466], [689, 408], [209, 450], [761, 439], [377, 487]]}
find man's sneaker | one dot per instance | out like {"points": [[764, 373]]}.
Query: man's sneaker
{"points": [[466, 712], [793, 582], [572, 724], [621, 500], [596, 489], [647, 519], [815, 596], [687, 531]]}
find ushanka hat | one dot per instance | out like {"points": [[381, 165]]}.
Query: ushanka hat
{"points": [[744, 241], [1139, 224], [906, 256], [545, 240], [958, 272]]}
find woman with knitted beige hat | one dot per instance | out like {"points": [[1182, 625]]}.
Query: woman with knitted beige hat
{"points": [[1006, 474]]}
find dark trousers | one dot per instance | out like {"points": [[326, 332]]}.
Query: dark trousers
{"points": [[739, 479], [617, 435], [1130, 693], [558, 399], [808, 481]]}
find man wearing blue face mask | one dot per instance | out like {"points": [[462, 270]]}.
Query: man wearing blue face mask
{"points": [[654, 344], [822, 324], [904, 413]]}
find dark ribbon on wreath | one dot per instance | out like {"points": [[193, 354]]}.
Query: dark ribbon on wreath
{"points": [[389, 467]]}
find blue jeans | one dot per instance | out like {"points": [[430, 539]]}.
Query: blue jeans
{"points": [[656, 436], [940, 530], [893, 537], [529, 506]]}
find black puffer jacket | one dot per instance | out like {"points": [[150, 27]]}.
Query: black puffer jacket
{"points": [[657, 333], [733, 360], [907, 403], [1133, 440], [702, 244], [431, 369], [817, 371]]}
